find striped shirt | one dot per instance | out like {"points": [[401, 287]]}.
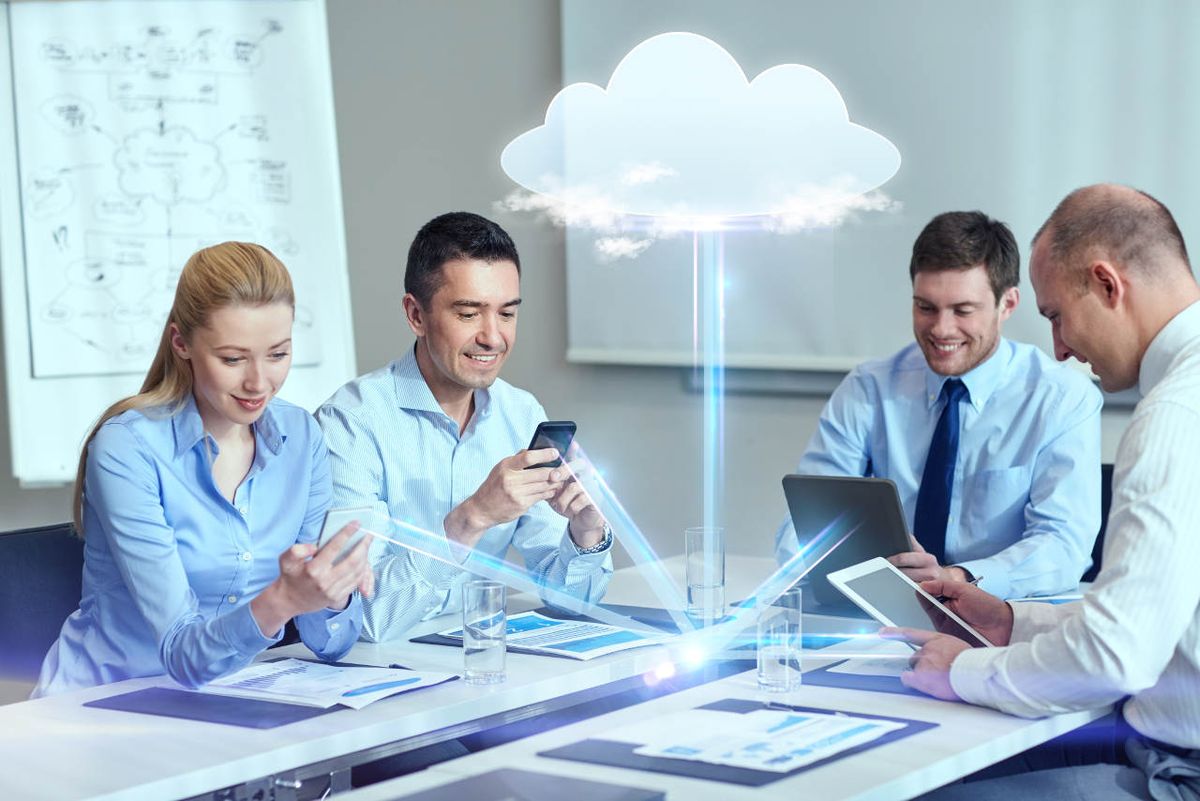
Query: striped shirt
{"points": [[1137, 631], [389, 440]]}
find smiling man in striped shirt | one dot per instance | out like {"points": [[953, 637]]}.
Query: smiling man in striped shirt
{"points": [[440, 438]]}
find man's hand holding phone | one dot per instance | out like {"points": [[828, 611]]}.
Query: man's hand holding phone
{"points": [[513, 485], [572, 501]]}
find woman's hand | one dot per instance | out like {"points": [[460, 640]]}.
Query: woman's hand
{"points": [[312, 579]]}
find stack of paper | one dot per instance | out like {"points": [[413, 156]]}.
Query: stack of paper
{"points": [[295, 681]]}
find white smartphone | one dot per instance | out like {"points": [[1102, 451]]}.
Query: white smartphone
{"points": [[337, 519], [883, 592]]}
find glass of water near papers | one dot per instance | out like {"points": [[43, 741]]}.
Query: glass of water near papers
{"points": [[484, 627], [704, 548], [779, 643]]}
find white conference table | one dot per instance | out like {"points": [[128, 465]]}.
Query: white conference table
{"points": [[967, 739], [55, 748]]}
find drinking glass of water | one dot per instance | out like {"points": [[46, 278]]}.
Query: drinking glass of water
{"points": [[484, 625], [704, 547], [779, 643]]}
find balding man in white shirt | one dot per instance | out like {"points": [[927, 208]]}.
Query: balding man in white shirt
{"points": [[1111, 274]]}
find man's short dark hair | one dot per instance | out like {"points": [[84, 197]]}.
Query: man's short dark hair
{"points": [[450, 237], [1131, 225], [960, 240]]}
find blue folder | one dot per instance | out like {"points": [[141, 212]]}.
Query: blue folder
{"points": [[248, 712], [822, 677], [621, 754]]}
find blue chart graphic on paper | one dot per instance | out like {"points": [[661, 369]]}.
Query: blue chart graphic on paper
{"points": [[264, 682], [519, 626], [591, 643], [826, 743], [787, 723]]}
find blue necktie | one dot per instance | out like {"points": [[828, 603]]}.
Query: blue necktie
{"points": [[937, 482]]}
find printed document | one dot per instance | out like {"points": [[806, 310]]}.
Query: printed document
{"points": [[296, 681], [533, 633], [770, 740]]}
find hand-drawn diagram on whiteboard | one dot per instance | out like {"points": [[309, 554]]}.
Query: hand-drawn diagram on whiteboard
{"points": [[141, 140]]}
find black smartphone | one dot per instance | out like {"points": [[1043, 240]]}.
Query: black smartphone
{"points": [[555, 434]]}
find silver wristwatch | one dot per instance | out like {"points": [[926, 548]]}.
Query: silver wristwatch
{"points": [[598, 547]]}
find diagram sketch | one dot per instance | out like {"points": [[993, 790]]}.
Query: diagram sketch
{"points": [[146, 130]]}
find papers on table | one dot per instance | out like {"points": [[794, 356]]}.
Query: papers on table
{"points": [[295, 681], [1065, 598], [766, 739], [882, 658], [533, 633], [872, 666]]}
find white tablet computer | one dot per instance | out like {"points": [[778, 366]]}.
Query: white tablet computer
{"points": [[337, 519], [883, 592]]}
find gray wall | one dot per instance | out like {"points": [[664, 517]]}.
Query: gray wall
{"points": [[427, 94]]}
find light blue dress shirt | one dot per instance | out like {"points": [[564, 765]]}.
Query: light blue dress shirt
{"points": [[1025, 508], [389, 440], [170, 565]]}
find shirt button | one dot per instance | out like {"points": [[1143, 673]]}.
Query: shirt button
{"points": [[334, 626], [242, 510], [247, 556], [232, 599]]}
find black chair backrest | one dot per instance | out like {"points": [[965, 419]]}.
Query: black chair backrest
{"points": [[41, 576], [1106, 473]]}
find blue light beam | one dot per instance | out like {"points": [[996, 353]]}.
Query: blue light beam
{"points": [[715, 639], [487, 566], [627, 533]]}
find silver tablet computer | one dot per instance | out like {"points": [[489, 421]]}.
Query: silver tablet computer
{"points": [[825, 509], [337, 519], [889, 596]]}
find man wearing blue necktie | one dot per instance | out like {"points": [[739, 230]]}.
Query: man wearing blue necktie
{"points": [[993, 447]]}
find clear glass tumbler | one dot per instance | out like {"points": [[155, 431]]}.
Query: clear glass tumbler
{"points": [[704, 548], [484, 627], [779, 643]]}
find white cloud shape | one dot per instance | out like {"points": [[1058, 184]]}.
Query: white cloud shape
{"points": [[719, 145], [170, 165], [611, 248]]}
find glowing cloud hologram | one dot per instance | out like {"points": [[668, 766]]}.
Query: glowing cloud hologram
{"points": [[680, 140], [680, 132]]}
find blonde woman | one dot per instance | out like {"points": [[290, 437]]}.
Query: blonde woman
{"points": [[200, 499]]}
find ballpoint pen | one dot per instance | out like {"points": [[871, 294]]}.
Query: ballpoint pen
{"points": [[973, 582], [385, 685]]}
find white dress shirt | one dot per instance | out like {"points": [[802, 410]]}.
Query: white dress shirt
{"points": [[1137, 631]]}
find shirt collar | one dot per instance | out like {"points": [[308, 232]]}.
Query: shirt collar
{"points": [[189, 428], [412, 392], [1181, 329], [981, 381]]}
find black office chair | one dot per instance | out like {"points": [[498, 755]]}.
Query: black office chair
{"points": [[41, 574], [1106, 473]]}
